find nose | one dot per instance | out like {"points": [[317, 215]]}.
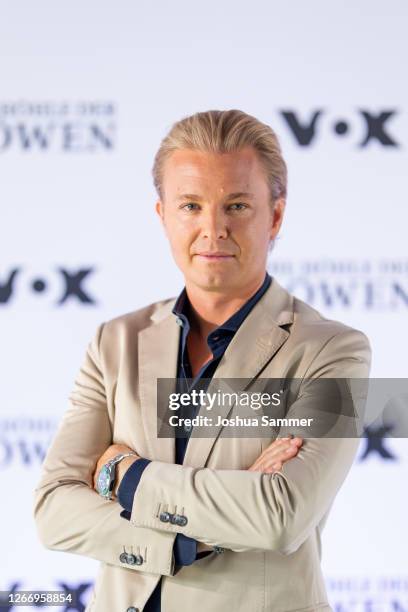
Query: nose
{"points": [[214, 224]]}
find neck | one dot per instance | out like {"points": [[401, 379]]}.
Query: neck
{"points": [[209, 309]]}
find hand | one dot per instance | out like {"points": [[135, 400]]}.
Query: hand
{"points": [[276, 454], [122, 466]]}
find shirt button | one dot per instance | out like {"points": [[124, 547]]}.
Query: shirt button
{"points": [[132, 609], [187, 428], [179, 321]]}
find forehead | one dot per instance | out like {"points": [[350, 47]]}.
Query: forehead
{"points": [[186, 170]]}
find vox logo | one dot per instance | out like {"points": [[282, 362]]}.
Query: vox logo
{"points": [[374, 127], [73, 285]]}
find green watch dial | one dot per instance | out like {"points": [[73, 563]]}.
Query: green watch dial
{"points": [[104, 481]]}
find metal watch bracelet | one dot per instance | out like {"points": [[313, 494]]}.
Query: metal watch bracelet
{"points": [[106, 481]]}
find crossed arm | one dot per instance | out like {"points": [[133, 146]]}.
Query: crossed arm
{"points": [[240, 510], [130, 470]]}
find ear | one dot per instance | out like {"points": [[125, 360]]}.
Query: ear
{"points": [[160, 210], [278, 212]]}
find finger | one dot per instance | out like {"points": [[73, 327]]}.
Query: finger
{"points": [[279, 450], [287, 447], [280, 441], [284, 455], [258, 466], [291, 449], [254, 467], [271, 469]]}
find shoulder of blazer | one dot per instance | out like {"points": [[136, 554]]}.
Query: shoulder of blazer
{"points": [[312, 328], [304, 322], [119, 331], [299, 318], [305, 325]]}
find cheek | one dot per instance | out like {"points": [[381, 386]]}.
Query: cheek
{"points": [[250, 233], [180, 236], [252, 240]]}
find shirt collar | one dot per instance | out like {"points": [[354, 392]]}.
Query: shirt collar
{"points": [[180, 309]]}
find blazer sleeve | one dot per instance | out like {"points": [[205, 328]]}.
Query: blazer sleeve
{"points": [[69, 514], [185, 549], [243, 510]]}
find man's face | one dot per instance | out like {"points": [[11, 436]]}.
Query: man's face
{"points": [[218, 218]]}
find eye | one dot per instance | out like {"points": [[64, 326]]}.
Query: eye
{"points": [[237, 206], [189, 206]]}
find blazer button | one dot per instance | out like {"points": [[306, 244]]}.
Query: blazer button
{"points": [[174, 519], [123, 558], [165, 517], [138, 559], [131, 559], [132, 609], [182, 520]]}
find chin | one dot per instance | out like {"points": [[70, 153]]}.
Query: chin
{"points": [[213, 282]]}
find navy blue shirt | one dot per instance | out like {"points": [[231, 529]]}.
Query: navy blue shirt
{"points": [[185, 548]]}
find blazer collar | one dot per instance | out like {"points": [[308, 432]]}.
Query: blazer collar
{"points": [[277, 302], [255, 343]]}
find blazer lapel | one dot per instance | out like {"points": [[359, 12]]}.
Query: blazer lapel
{"points": [[158, 351], [255, 343]]}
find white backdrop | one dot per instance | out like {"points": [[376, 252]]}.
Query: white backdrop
{"points": [[87, 90]]}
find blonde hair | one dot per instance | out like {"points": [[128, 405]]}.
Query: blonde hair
{"points": [[223, 132]]}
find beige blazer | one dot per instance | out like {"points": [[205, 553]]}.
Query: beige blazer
{"points": [[268, 525]]}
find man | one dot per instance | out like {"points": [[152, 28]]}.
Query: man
{"points": [[203, 523]]}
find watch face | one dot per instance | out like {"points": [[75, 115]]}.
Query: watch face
{"points": [[104, 480]]}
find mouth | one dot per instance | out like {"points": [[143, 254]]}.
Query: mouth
{"points": [[214, 256]]}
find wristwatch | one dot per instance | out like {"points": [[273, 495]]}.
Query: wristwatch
{"points": [[107, 475]]}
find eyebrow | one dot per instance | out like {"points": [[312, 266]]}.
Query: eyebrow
{"points": [[231, 196]]}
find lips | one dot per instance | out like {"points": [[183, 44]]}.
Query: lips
{"points": [[215, 254]]}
